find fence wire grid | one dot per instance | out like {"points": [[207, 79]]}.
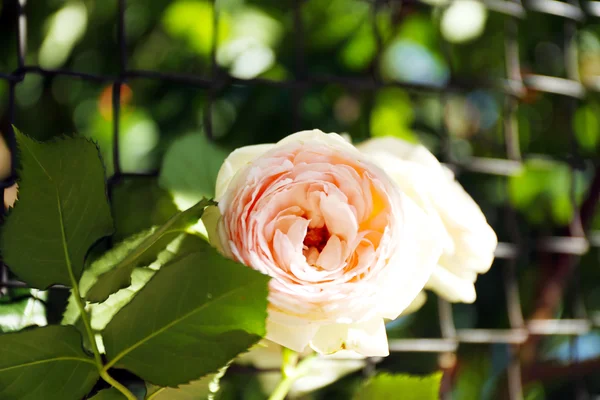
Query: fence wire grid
{"points": [[566, 250]]}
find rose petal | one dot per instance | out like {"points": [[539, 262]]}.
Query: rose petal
{"points": [[400, 149], [232, 164], [451, 287], [210, 219], [331, 256], [412, 265], [295, 337], [366, 338]]}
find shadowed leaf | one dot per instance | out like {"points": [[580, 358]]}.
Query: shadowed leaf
{"points": [[109, 394], [138, 203], [45, 363], [62, 210], [190, 169], [100, 314], [189, 317], [144, 253], [204, 388]]}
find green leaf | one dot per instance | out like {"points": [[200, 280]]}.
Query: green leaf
{"points": [[190, 169], [542, 190], [100, 314], [195, 315], [410, 387], [62, 210], [22, 313], [476, 377], [138, 203], [109, 394], [120, 276], [204, 388], [393, 115], [99, 266], [587, 126], [138, 136], [45, 363], [191, 22]]}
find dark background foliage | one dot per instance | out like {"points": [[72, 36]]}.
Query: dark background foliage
{"points": [[505, 93]]}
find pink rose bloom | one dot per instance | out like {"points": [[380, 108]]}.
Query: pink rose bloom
{"points": [[346, 248]]}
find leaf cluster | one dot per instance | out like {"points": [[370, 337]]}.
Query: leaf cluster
{"points": [[162, 304]]}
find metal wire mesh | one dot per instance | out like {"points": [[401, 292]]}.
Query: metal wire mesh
{"points": [[566, 249]]}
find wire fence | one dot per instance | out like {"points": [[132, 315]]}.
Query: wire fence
{"points": [[566, 250]]}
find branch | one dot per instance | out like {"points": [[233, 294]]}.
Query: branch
{"points": [[550, 371]]}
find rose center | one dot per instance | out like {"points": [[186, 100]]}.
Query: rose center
{"points": [[317, 238]]}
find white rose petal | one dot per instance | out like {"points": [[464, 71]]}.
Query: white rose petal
{"points": [[469, 240]]}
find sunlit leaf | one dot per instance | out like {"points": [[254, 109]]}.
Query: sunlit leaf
{"points": [[59, 41], [360, 49], [418, 28], [409, 387], [45, 363], [587, 126], [145, 252], [542, 189], [209, 310], [249, 49], [138, 139], [192, 22], [100, 314], [204, 388], [62, 210], [332, 22], [22, 313], [463, 21], [190, 169], [393, 115]]}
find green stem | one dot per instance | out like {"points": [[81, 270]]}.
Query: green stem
{"points": [[90, 333], [155, 394], [290, 375], [86, 322], [84, 317], [114, 383]]}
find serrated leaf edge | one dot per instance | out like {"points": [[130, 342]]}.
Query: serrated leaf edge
{"points": [[157, 233]]}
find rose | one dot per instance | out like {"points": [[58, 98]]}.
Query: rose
{"points": [[470, 241], [344, 245]]}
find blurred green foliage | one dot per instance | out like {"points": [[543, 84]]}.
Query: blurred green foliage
{"points": [[412, 387], [543, 189]]}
